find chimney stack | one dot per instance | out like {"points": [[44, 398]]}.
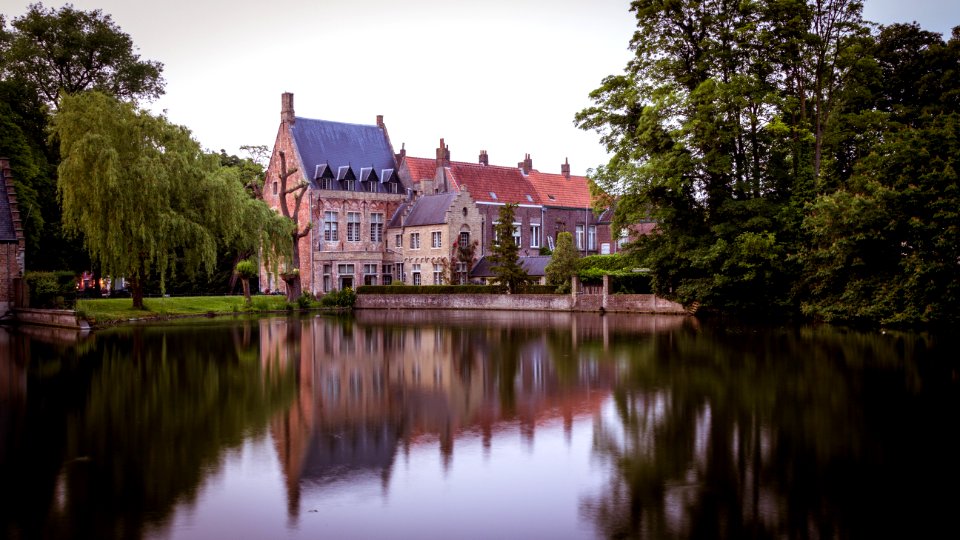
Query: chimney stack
{"points": [[565, 167], [484, 158], [286, 108], [526, 165], [443, 155], [380, 121], [403, 153]]}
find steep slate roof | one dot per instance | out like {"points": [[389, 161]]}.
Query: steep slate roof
{"points": [[558, 190], [507, 183], [430, 209], [7, 231], [535, 266], [338, 145]]}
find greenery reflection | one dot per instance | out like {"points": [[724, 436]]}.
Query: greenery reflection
{"points": [[118, 430]]}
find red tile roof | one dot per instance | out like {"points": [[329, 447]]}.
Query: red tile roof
{"points": [[420, 168], [493, 184], [559, 190]]}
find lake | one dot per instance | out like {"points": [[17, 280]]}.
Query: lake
{"points": [[418, 424]]}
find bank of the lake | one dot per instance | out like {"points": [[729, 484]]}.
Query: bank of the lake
{"points": [[108, 311]]}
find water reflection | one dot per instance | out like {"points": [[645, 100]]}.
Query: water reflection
{"points": [[477, 425]]}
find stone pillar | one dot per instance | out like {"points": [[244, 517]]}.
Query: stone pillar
{"points": [[606, 291]]}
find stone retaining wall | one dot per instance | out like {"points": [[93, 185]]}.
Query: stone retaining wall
{"points": [[630, 303], [62, 318]]}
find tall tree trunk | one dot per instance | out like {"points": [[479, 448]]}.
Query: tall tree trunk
{"points": [[246, 290], [136, 291]]}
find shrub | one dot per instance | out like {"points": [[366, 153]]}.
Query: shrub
{"points": [[51, 289]]}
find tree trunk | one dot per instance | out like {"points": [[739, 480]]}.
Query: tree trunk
{"points": [[136, 291], [294, 289], [246, 290]]}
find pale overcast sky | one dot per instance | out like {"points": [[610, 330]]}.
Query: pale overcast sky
{"points": [[506, 76]]}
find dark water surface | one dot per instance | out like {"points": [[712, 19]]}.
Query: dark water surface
{"points": [[478, 425]]}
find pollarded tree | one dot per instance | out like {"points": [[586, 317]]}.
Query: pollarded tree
{"points": [[145, 195], [563, 263], [292, 184], [70, 50], [247, 270], [506, 254]]}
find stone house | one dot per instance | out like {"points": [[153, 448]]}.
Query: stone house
{"points": [[547, 204], [12, 245], [353, 190], [435, 238]]}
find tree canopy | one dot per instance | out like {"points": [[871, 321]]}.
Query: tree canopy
{"points": [[506, 253], [68, 50], [755, 133], [563, 263], [145, 196]]}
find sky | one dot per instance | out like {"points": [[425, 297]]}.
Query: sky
{"points": [[505, 76]]}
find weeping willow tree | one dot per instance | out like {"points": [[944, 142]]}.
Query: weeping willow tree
{"points": [[145, 195]]}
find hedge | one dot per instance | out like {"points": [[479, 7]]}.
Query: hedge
{"points": [[51, 289]]}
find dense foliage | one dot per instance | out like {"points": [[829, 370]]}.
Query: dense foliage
{"points": [[563, 263], [146, 197], [505, 255], [793, 161]]}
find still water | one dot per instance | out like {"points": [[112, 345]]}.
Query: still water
{"points": [[477, 425]]}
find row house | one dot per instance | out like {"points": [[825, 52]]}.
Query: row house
{"points": [[353, 190], [547, 204]]}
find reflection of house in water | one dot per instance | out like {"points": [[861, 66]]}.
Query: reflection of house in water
{"points": [[367, 390]]}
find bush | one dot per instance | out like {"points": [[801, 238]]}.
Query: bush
{"points": [[344, 298], [51, 289], [305, 300]]}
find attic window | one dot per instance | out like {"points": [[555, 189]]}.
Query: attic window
{"points": [[529, 198], [551, 197], [493, 195]]}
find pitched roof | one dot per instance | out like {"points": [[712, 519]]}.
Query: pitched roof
{"points": [[430, 209], [493, 184], [535, 266], [559, 190], [338, 145], [8, 232], [421, 168]]}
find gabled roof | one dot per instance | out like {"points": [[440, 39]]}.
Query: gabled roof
{"points": [[493, 184], [430, 209], [535, 266], [559, 190], [421, 168], [338, 145]]}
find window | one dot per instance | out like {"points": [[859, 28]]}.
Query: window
{"points": [[326, 183], [353, 226], [370, 274], [330, 225], [437, 274], [376, 227], [464, 240], [436, 239], [592, 237], [345, 272], [350, 185], [493, 234], [461, 273], [392, 186], [516, 234], [416, 274], [535, 235], [415, 240], [345, 269], [579, 236], [398, 240], [275, 190], [326, 278], [387, 274], [369, 186]]}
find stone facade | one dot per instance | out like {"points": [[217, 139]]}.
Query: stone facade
{"points": [[345, 245]]}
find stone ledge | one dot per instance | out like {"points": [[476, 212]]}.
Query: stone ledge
{"points": [[62, 318]]}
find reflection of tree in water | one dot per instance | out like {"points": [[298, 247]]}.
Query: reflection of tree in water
{"points": [[802, 434], [158, 408]]}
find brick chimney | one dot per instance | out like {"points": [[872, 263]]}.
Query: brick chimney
{"points": [[286, 108], [403, 153], [484, 158], [443, 155], [380, 122], [526, 165], [565, 167]]}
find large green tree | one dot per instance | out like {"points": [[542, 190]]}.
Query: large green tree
{"points": [[717, 130], [66, 50], [507, 270], [563, 263], [145, 196]]}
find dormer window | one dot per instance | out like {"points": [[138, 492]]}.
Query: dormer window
{"points": [[326, 183], [493, 195], [351, 185], [529, 198]]}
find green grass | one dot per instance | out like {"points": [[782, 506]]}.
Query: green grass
{"points": [[109, 310]]}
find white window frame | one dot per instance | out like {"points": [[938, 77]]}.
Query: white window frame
{"points": [[579, 237], [592, 237], [535, 235], [353, 226], [331, 227], [415, 240], [436, 239], [376, 227]]}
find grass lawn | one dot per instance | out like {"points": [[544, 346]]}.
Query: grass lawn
{"points": [[107, 310]]}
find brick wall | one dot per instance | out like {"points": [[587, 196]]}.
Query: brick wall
{"points": [[628, 303]]}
